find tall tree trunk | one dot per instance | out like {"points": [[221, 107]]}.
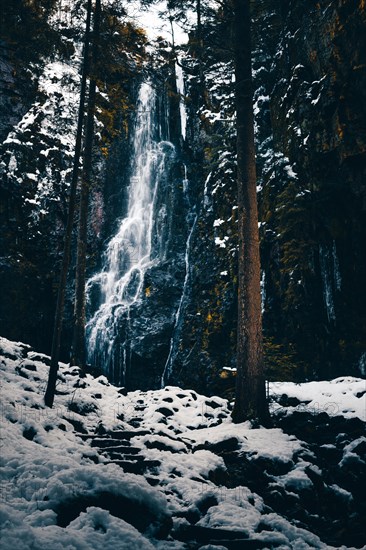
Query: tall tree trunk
{"points": [[200, 49], [78, 347], [200, 43], [57, 330], [250, 401]]}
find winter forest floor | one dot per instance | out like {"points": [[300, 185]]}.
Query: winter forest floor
{"points": [[167, 469]]}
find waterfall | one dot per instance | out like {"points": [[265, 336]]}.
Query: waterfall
{"points": [[362, 364], [336, 271], [178, 317], [128, 254], [325, 270], [263, 291], [331, 277], [182, 106]]}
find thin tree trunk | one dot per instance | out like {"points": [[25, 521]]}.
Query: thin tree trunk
{"points": [[78, 348], [57, 330], [250, 401], [200, 48]]}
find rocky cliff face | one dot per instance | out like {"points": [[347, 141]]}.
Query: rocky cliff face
{"points": [[314, 219], [25, 276]]}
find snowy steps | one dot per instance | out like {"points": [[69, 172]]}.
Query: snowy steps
{"points": [[116, 446], [118, 434], [108, 443], [258, 473], [120, 449], [229, 538], [138, 467]]}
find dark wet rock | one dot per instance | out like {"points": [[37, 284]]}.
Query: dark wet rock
{"points": [[135, 422], [360, 450], [140, 467], [176, 432], [286, 401], [213, 404], [80, 383], [230, 539], [78, 426], [219, 476], [360, 394], [103, 442], [127, 434], [165, 411], [83, 408], [330, 454], [163, 446], [153, 481], [336, 476], [320, 428], [100, 429], [40, 357], [120, 449], [192, 515], [272, 466], [342, 439], [29, 433], [206, 502], [9, 355], [92, 458], [75, 371], [30, 366], [21, 372], [138, 514], [227, 445]]}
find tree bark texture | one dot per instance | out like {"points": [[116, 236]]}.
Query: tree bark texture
{"points": [[250, 401]]}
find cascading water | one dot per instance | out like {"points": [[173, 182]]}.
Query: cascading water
{"points": [[178, 316], [331, 278], [336, 271], [181, 92], [128, 254], [191, 220], [263, 291]]}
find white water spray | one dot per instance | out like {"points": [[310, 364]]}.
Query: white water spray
{"points": [[181, 92]]}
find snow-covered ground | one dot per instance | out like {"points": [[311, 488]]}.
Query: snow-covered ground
{"points": [[58, 491], [344, 396]]}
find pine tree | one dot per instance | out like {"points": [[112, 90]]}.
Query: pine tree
{"points": [[78, 348], [250, 401], [57, 331]]}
